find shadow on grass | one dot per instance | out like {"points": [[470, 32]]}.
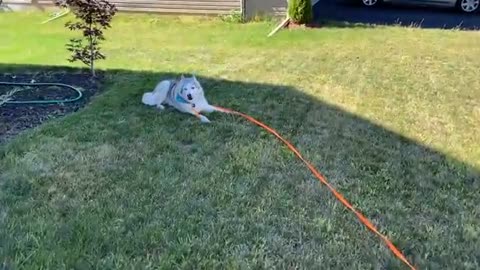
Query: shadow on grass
{"points": [[426, 202]]}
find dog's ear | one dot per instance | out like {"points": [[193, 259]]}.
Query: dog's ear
{"points": [[195, 78], [182, 77]]}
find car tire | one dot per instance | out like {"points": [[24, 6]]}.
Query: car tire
{"points": [[468, 6], [373, 3]]}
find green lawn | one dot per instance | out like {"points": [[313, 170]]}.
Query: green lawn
{"points": [[390, 116]]}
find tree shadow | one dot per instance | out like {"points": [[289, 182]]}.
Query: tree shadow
{"points": [[348, 13], [424, 200]]}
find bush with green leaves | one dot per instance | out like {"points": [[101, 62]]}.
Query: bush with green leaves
{"points": [[234, 16], [300, 11]]}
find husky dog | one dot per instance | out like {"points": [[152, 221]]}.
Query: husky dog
{"points": [[185, 94]]}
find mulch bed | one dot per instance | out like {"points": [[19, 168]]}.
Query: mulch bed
{"points": [[15, 118], [292, 25]]}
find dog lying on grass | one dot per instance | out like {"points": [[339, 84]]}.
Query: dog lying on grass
{"points": [[185, 94]]}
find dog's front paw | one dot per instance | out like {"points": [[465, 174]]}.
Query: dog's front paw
{"points": [[204, 119], [160, 107]]}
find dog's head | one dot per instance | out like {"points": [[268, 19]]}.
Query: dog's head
{"points": [[191, 90]]}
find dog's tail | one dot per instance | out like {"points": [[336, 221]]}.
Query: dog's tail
{"points": [[149, 99]]}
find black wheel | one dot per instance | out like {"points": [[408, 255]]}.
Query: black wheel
{"points": [[468, 6]]}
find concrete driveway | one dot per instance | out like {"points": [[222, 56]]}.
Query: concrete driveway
{"points": [[400, 15]]}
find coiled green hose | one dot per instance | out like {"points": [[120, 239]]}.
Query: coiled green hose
{"points": [[53, 101]]}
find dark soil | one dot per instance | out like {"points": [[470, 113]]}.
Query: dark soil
{"points": [[15, 118]]}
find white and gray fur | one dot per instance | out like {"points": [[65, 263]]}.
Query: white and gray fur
{"points": [[185, 95]]}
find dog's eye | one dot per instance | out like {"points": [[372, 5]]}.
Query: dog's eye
{"points": [[193, 87]]}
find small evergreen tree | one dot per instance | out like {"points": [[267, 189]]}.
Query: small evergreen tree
{"points": [[300, 11], [93, 16]]}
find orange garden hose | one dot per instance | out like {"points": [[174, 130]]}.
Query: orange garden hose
{"points": [[322, 179]]}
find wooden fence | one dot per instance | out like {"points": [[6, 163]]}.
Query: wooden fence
{"points": [[265, 7], [194, 7]]}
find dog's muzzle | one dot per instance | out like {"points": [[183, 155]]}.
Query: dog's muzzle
{"points": [[189, 97]]}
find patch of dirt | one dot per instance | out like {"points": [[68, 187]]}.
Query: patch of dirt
{"points": [[15, 118], [293, 25]]}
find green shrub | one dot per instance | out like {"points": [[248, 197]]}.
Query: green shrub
{"points": [[300, 11], [234, 16]]}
